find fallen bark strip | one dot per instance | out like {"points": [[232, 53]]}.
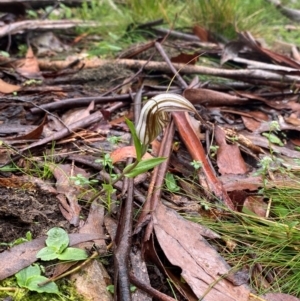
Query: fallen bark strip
{"points": [[241, 74], [196, 150]]}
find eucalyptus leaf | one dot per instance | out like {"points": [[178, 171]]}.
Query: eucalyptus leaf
{"points": [[142, 166]]}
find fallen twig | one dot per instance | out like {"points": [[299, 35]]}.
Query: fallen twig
{"points": [[149, 290], [95, 117], [123, 243], [240, 74], [18, 27], [83, 101]]}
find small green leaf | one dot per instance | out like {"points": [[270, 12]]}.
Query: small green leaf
{"points": [[47, 253], [9, 167], [28, 236], [50, 288], [171, 182], [24, 275], [73, 254], [136, 140], [196, 164], [132, 288], [57, 239], [108, 188], [273, 139], [142, 167], [30, 277], [110, 288]]}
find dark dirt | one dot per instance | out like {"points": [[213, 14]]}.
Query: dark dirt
{"points": [[23, 210]]}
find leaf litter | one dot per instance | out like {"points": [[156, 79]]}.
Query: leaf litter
{"points": [[65, 130]]}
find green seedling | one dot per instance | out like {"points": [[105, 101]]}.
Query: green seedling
{"points": [[196, 164], [106, 161], [4, 54], [31, 82], [213, 150], [18, 241], [171, 183], [114, 139], [57, 247], [30, 278], [81, 180], [111, 288], [273, 139]]}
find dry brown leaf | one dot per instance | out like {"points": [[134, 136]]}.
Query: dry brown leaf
{"points": [[238, 198], [185, 58], [68, 191], [240, 182], [251, 124], [6, 88], [29, 66], [201, 33], [212, 98], [202, 267], [77, 114], [229, 158], [257, 205], [293, 121], [34, 134], [94, 224], [123, 153]]}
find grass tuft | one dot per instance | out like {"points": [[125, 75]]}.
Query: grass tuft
{"points": [[267, 247]]}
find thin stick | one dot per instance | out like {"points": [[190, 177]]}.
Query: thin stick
{"points": [[76, 269]]}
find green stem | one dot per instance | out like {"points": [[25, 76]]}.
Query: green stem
{"points": [[115, 181]]}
